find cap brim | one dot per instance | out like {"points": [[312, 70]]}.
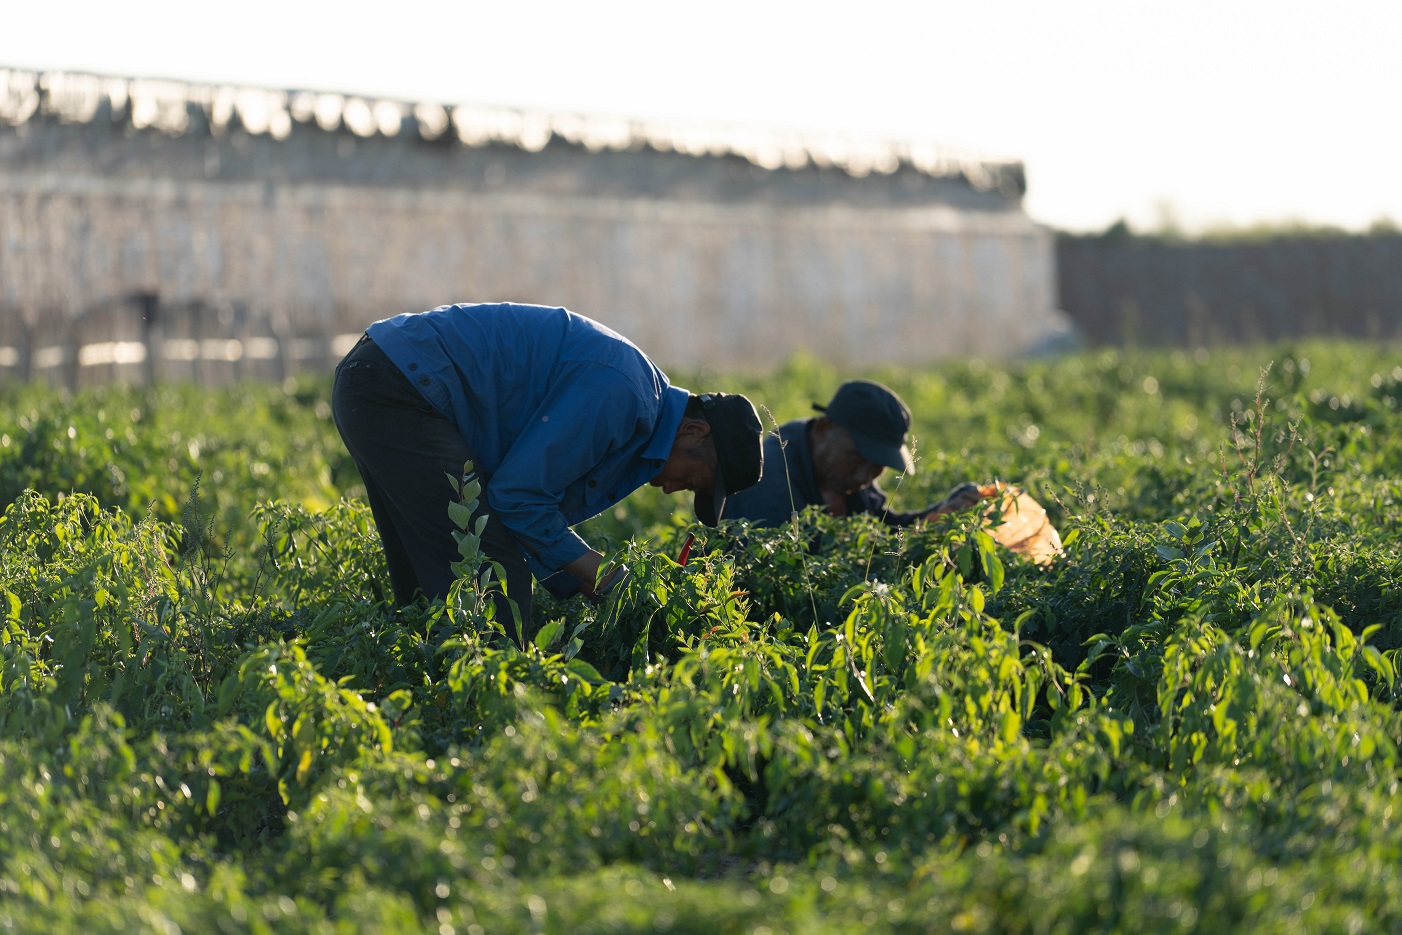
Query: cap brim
{"points": [[891, 456]]}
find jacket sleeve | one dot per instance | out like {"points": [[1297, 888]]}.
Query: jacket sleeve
{"points": [[572, 431], [872, 499]]}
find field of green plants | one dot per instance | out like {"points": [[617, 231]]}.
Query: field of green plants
{"points": [[212, 719]]}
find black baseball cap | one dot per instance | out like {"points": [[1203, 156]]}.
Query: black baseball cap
{"points": [[877, 420], [738, 436]]}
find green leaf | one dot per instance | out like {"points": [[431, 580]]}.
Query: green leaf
{"points": [[1009, 726], [852, 593], [304, 765], [271, 720], [893, 650], [1260, 631], [964, 558], [548, 633], [992, 564], [459, 514], [639, 656], [228, 691], [585, 671]]}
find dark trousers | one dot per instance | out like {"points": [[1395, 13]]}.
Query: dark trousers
{"points": [[403, 448]]}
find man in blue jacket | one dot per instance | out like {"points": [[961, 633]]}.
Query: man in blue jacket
{"points": [[833, 460], [561, 417]]}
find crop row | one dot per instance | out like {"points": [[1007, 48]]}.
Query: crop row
{"points": [[211, 718]]}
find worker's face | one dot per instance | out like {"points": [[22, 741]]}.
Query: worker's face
{"points": [[837, 464], [691, 465]]}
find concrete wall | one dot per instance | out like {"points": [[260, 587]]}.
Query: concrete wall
{"points": [[702, 260], [1148, 292]]}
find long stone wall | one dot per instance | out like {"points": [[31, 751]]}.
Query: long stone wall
{"points": [[1135, 291], [114, 234]]}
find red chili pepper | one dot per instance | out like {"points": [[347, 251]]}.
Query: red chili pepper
{"points": [[686, 549]]}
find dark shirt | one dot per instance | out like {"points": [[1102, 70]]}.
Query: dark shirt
{"points": [[788, 485]]}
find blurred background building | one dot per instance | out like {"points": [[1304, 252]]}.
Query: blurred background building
{"points": [[157, 229]]}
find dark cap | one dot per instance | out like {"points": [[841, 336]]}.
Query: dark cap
{"points": [[737, 433], [877, 420]]}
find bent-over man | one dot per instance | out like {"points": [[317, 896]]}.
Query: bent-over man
{"points": [[561, 417], [833, 460]]}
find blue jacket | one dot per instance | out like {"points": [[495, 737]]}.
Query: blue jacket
{"points": [[564, 416], [788, 485]]}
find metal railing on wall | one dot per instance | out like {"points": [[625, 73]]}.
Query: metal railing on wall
{"points": [[139, 339]]}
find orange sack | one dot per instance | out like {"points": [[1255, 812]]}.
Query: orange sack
{"points": [[1021, 523]]}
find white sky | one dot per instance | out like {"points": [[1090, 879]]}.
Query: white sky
{"points": [[1208, 111]]}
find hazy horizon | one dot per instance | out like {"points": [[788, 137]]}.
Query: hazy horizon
{"points": [[1200, 117]]}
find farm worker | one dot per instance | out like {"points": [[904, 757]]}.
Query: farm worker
{"points": [[833, 460], [561, 418]]}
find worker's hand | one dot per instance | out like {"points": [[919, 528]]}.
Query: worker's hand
{"points": [[962, 497], [596, 581], [610, 580], [586, 569]]}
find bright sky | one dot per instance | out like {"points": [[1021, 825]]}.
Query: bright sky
{"points": [[1209, 112]]}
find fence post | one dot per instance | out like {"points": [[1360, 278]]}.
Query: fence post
{"points": [[25, 365], [282, 331], [152, 333]]}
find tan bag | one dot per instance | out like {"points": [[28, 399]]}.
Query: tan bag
{"points": [[1023, 526]]}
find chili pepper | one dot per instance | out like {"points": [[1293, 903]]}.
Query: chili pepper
{"points": [[686, 549]]}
